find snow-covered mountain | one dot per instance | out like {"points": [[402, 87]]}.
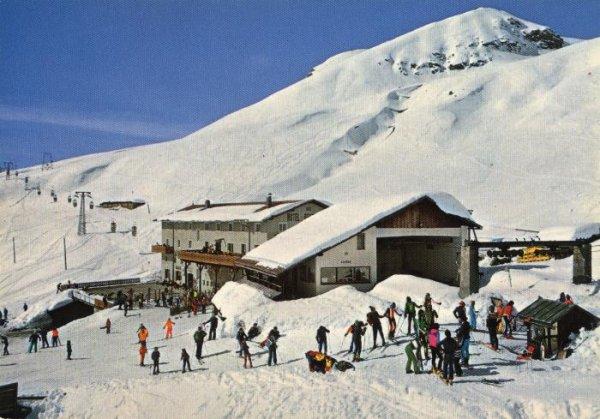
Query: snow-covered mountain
{"points": [[500, 112]]}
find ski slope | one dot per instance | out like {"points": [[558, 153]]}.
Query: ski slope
{"points": [[104, 379]]}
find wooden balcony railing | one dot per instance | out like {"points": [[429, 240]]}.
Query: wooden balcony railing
{"points": [[162, 248]]}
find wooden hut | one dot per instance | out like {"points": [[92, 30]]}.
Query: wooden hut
{"points": [[552, 322]]}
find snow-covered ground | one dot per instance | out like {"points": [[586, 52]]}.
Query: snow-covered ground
{"points": [[104, 379]]}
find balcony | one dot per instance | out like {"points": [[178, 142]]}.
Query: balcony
{"points": [[162, 248], [209, 258]]}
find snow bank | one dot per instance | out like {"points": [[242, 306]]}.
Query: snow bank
{"points": [[587, 351], [584, 231], [338, 223], [38, 312]]}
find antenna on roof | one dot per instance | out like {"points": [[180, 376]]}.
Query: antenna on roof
{"points": [[269, 199]]}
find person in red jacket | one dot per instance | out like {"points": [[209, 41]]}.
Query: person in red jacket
{"points": [[507, 317], [169, 328]]}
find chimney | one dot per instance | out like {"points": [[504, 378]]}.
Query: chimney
{"points": [[207, 203], [269, 200]]}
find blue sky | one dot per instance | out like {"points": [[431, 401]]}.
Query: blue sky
{"points": [[85, 76]]}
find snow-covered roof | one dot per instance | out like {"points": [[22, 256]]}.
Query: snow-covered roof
{"points": [[122, 199], [337, 224], [251, 211], [574, 232]]}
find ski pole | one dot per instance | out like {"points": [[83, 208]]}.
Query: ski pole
{"points": [[402, 324]]}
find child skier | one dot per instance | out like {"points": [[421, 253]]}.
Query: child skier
{"points": [[185, 359], [241, 337], [155, 361], [107, 326], [492, 326], [142, 333], [55, 339], [69, 350]]}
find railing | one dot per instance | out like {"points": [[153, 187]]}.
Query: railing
{"points": [[162, 248], [221, 259], [97, 284]]}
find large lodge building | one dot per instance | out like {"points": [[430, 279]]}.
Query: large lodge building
{"points": [[301, 248]]}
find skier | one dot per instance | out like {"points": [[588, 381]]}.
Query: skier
{"points": [[58, 287], [358, 330], [507, 313], [373, 319], [460, 312], [322, 338], [423, 331], [55, 338], [5, 311], [449, 346], [120, 299], [25, 307], [125, 309], [492, 326], [199, 336], [272, 344], [143, 351], [33, 341], [569, 300], [246, 354], [185, 359], [411, 362], [562, 297], [464, 337], [241, 337], [390, 314], [69, 350], [410, 308], [351, 332], [213, 321], [430, 316], [5, 343], [253, 332], [169, 328], [142, 333], [472, 316], [44, 336], [155, 359], [433, 339], [107, 326], [428, 300]]}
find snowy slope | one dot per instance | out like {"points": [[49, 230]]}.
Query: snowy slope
{"points": [[513, 135]]}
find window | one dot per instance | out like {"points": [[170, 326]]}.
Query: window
{"points": [[230, 226], [217, 245], [346, 275], [208, 226], [167, 274], [243, 249], [257, 227], [190, 244], [218, 226], [282, 227], [198, 235], [293, 216], [360, 241], [167, 242], [178, 243], [307, 214], [230, 247]]}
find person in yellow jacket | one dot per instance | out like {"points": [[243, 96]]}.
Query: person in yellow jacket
{"points": [[142, 334], [169, 328]]}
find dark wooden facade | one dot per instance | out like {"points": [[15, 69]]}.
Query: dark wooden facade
{"points": [[424, 213]]}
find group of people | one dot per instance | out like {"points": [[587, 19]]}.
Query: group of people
{"points": [[501, 318], [270, 342]]}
